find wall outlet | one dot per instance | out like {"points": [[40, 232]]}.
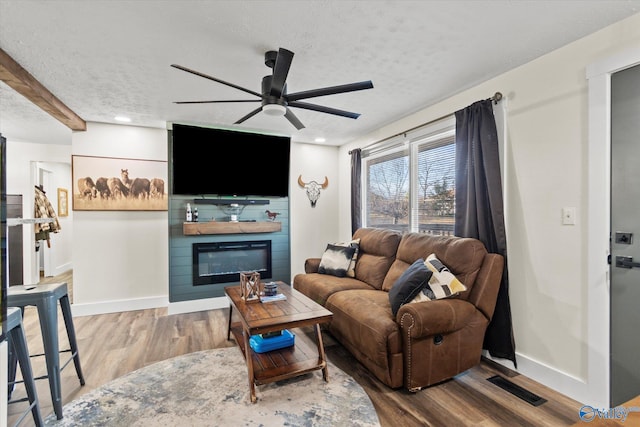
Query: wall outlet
{"points": [[568, 216]]}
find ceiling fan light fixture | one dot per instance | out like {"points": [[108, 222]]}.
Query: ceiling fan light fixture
{"points": [[274, 98], [274, 109]]}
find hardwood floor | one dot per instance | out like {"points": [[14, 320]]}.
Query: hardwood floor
{"points": [[111, 345]]}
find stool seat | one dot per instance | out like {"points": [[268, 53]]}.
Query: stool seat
{"points": [[45, 297], [18, 350]]}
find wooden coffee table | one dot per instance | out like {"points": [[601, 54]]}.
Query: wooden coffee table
{"points": [[259, 318]]}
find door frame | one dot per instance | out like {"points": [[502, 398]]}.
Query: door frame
{"points": [[599, 223], [45, 179]]}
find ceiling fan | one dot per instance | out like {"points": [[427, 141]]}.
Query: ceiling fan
{"points": [[274, 99]]}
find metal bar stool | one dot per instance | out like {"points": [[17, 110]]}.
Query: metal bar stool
{"points": [[46, 298], [19, 352]]}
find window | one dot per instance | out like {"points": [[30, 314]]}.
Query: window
{"points": [[387, 192], [409, 181]]}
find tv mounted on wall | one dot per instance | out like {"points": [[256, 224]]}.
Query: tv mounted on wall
{"points": [[223, 162]]}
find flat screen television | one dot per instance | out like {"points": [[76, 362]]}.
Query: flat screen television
{"points": [[223, 162]]}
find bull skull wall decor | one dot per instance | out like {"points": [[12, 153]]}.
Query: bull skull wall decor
{"points": [[313, 189]]}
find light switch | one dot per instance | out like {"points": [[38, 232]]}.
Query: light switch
{"points": [[568, 216]]}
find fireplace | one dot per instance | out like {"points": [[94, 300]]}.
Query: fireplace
{"points": [[222, 262]]}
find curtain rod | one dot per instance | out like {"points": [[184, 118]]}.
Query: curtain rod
{"points": [[497, 97]]}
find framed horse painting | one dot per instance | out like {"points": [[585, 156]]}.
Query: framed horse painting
{"points": [[115, 184]]}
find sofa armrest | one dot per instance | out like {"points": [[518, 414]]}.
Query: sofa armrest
{"points": [[427, 318], [311, 265]]}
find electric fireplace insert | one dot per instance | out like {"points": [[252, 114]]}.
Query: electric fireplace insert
{"points": [[222, 262]]}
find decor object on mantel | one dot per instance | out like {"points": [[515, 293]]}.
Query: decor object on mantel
{"points": [[234, 210], [274, 98], [271, 215], [313, 189], [148, 397]]}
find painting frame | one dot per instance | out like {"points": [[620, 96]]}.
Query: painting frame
{"points": [[118, 184], [63, 202]]}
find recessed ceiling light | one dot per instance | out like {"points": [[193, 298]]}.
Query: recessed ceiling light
{"points": [[122, 119], [320, 139]]}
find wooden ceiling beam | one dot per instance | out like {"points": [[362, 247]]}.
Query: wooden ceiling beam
{"points": [[25, 84]]}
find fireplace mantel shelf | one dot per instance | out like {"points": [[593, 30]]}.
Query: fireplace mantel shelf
{"points": [[220, 227]]}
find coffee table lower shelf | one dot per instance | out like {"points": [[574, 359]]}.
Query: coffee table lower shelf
{"points": [[277, 365]]}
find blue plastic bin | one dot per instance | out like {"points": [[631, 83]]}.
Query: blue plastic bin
{"points": [[262, 345]]}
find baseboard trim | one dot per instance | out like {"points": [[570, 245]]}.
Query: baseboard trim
{"points": [[198, 305], [117, 306], [61, 269]]}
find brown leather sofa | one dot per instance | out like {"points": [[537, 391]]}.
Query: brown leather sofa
{"points": [[426, 342]]}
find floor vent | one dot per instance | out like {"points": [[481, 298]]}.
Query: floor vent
{"points": [[516, 390]]}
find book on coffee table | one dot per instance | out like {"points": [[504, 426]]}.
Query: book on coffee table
{"points": [[276, 297]]}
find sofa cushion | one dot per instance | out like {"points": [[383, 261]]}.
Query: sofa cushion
{"points": [[463, 256], [409, 285], [319, 287], [355, 243], [442, 284], [363, 319], [377, 252], [336, 260]]}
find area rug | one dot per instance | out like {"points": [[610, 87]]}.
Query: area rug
{"points": [[209, 388]]}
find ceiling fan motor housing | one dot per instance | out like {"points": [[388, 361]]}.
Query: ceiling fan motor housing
{"points": [[267, 98], [270, 58]]}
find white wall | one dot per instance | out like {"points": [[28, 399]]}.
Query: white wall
{"points": [[312, 228], [120, 258], [21, 160], [547, 124]]}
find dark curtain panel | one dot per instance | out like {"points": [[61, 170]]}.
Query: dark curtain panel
{"points": [[479, 208], [356, 191], [4, 277]]}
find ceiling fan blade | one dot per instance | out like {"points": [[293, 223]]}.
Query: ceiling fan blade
{"points": [[217, 102], [324, 109], [280, 72], [197, 73], [293, 119], [332, 90], [248, 116]]}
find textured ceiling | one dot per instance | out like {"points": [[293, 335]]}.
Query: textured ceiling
{"points": [[108, 58]]}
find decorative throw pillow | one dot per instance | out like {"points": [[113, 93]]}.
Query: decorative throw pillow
{"points": [[351, 272], [336, 260], [442, 284], [408, 285]]}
